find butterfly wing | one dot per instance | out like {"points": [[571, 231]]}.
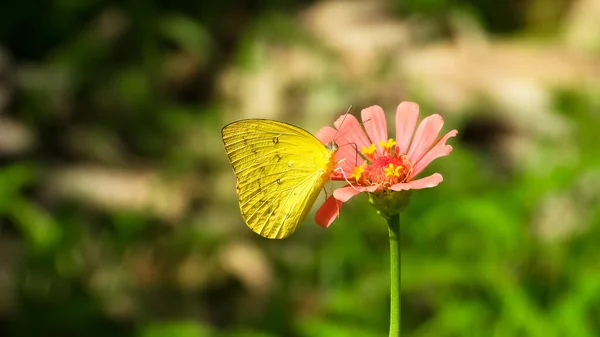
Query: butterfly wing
{"points": [[280, 171]]}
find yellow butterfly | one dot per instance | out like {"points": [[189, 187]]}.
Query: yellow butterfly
{"points": [[280, 171]]}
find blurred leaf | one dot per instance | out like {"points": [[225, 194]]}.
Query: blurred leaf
{"points": [[189, 35], [248, 334], [175, 329], [38, 227], [329, 328], [12, 180]]}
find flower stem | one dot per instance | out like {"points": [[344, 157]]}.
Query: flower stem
{"points": [[395, 269]]}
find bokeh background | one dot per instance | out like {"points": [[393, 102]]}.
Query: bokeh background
{"points": [[118, 213]]}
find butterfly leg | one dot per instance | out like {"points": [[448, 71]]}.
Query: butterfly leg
{"points": [[344, 174]]}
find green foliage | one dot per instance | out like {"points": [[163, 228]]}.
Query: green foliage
{"points": [[137, 88], [174, 329]]}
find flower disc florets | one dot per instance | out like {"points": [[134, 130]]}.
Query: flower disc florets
{"points": [[386, 169]]}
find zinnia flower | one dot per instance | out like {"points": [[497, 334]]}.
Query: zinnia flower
{"points": [[379, 165]]}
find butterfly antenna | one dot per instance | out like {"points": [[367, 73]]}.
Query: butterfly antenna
{"points": [[351, 129], [337, 130]]}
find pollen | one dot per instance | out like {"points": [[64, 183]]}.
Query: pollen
{"points": [[358, 171], [388, 146], [369, 151], [392, 171]]}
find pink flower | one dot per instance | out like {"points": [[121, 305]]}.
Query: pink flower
{"points": [[372, 162]]}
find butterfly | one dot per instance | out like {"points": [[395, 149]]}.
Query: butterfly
{"points": [[280, 170]]}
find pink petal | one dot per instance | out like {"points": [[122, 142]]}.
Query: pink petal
{"points": [[426, 134], [328, 212], [440, 149], [326, 134], [351, 132], [427, 182], [344, 194], [407, 115], [347, 158], [375, 124], [351, 138]]}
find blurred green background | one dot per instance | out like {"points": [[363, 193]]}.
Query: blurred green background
{"points": [[118, 213]]}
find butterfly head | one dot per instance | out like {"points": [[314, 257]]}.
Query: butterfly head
{"points": [[332, 146]]}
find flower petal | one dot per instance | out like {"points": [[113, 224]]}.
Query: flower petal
{"points": [[427, 182], [351, 132], [426, 134], [326, 134], [351, 138], [328, 212], [407, 115], [440, 149], [344, 194], [375, 124]]}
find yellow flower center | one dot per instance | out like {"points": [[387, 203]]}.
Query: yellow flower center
{"points": [[358, 171], [392, 171], [385, 169], [369, 151], [388, 146]]}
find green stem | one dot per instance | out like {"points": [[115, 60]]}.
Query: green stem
{"points": [[394, 231]]}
